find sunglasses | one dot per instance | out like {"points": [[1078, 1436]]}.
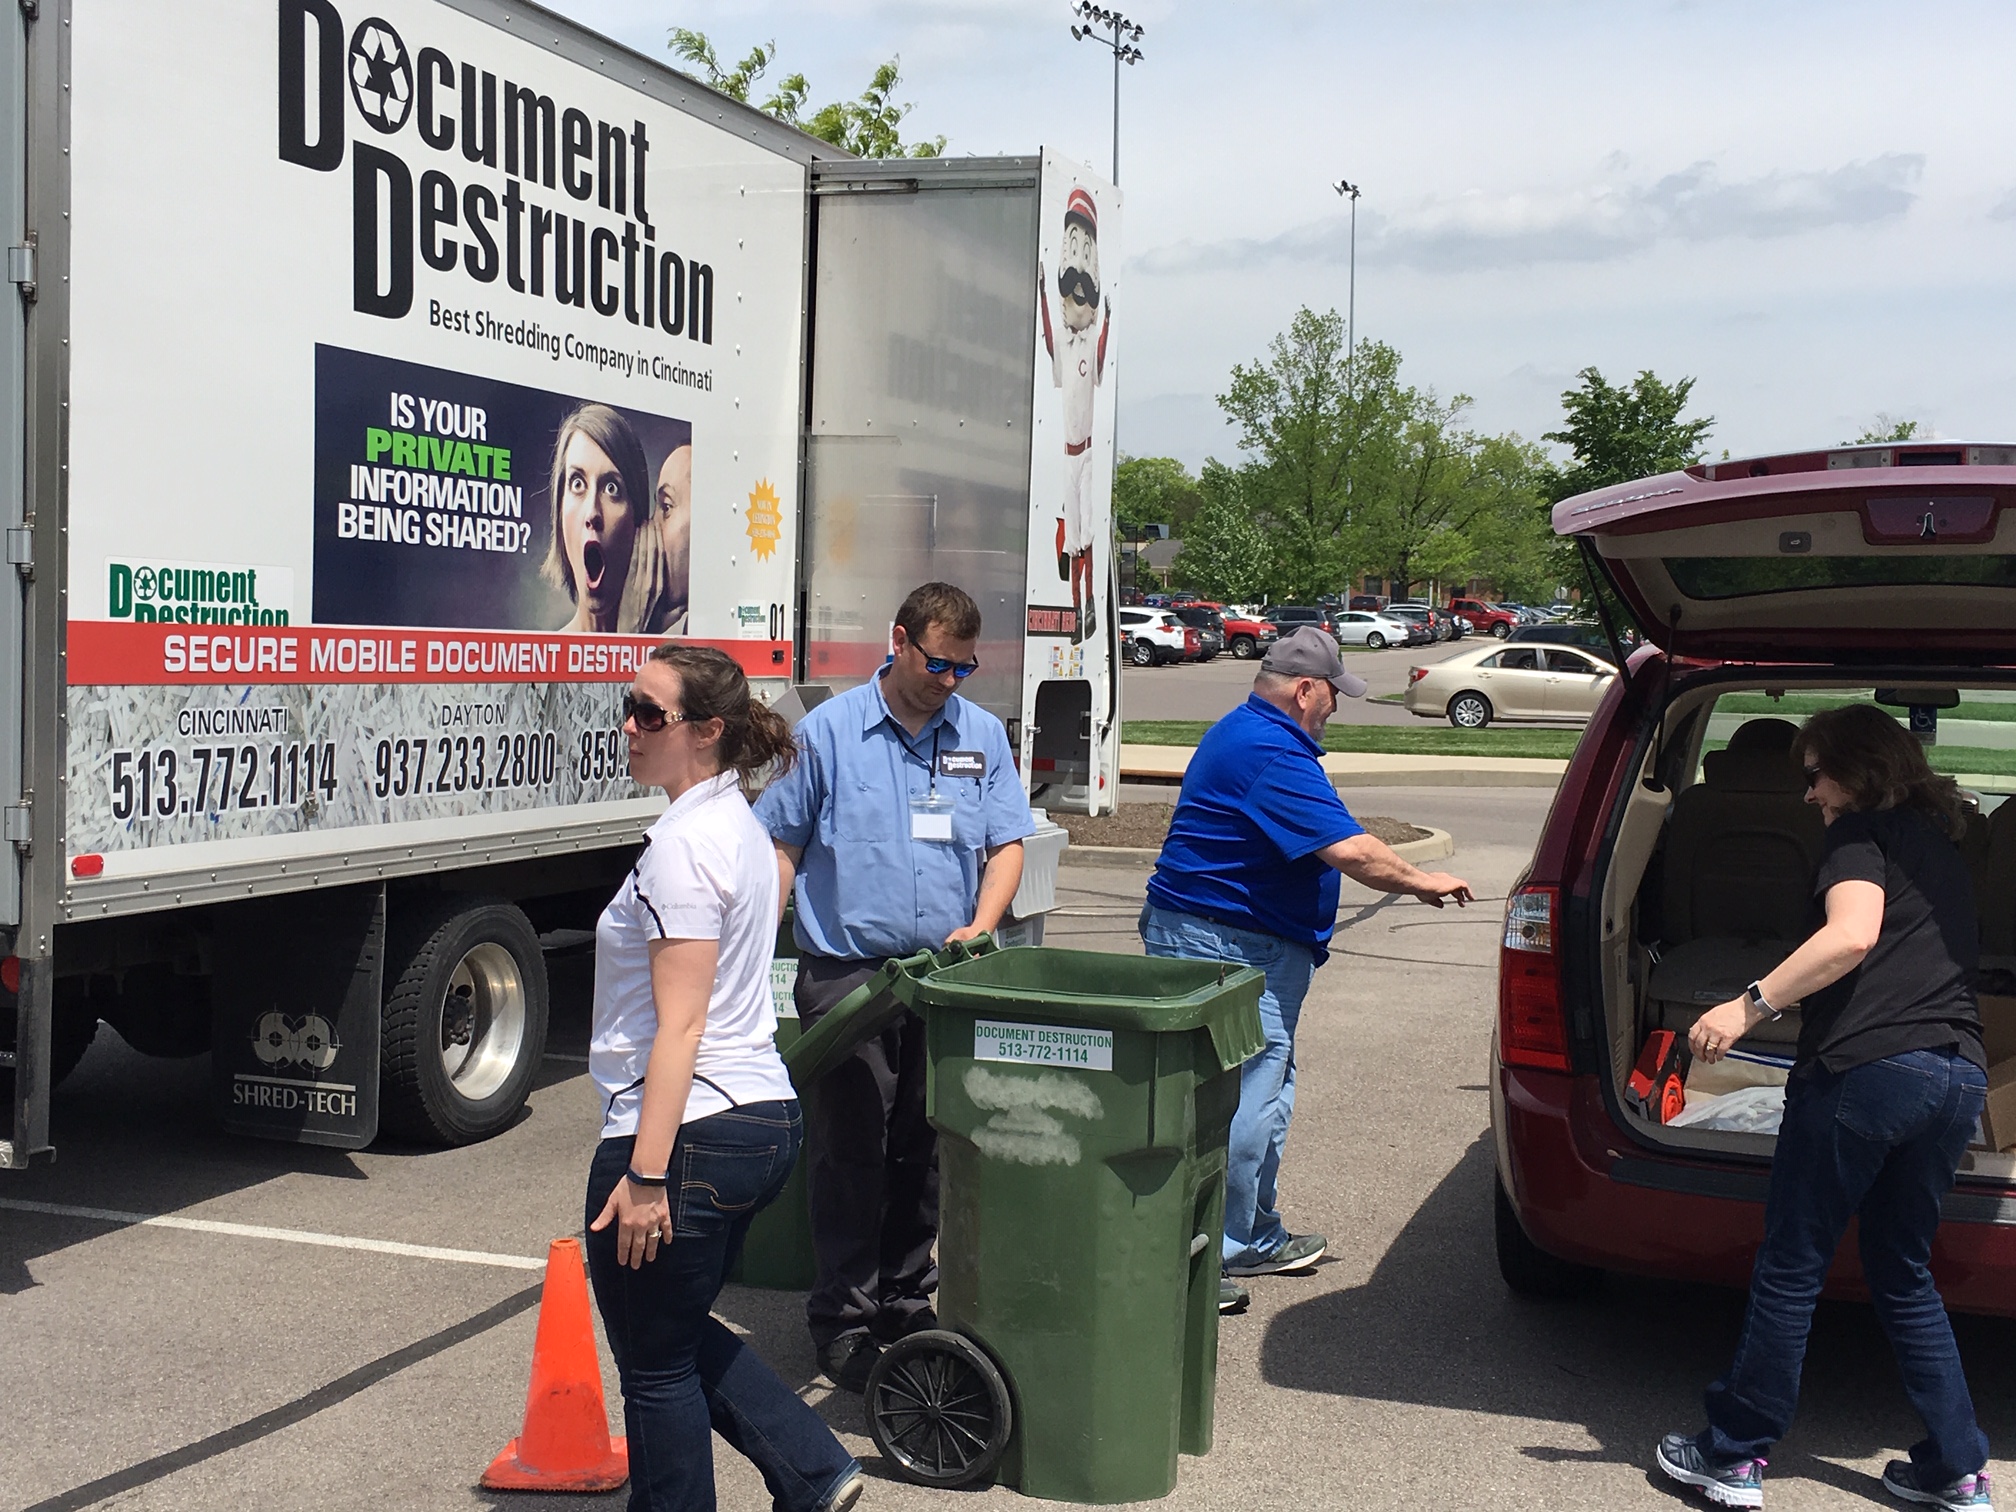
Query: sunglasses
{"points": [[650, 718], [1813, 776], [938, 666]]}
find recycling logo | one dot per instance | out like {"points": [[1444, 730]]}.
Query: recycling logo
{"points": [[310, 1041], [381, 75], [143, 585]]}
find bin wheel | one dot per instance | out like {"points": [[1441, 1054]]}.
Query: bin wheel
{"points": [[938, 1409]]}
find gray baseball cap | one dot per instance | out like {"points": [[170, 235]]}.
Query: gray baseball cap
{"points": [[1311, 652]]}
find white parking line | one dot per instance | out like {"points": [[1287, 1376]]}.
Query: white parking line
{"points": [[285, 1236]]}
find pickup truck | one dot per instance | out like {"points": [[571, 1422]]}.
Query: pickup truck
{"points": [[1485, 619]]}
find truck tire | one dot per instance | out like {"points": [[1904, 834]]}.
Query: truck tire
{"points": [[1529, 1270], [465, 1020], [1243, 647], [1501, 629], [71, 1031]]}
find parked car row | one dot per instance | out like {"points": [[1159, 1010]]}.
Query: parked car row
{"points": [[1246, 631]]}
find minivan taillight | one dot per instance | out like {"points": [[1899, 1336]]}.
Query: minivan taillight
{"points": [[1532, 1029]]}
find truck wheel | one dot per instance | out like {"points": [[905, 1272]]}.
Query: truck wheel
{"points": [[1375, 642], [1501, 629], [1243, 647], [465, 1020], [1469, 711], [1141, 654], [1529, 1270]]}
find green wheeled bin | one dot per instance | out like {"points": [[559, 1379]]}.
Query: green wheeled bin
{"points": [[778, 1252], [1083, 1103]]}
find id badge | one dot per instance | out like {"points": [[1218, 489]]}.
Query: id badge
{"points": [[931, 818]]}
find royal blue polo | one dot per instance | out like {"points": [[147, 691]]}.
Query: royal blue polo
{"points": [[865, 887], [1255, 808]]}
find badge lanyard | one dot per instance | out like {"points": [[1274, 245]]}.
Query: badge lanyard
{"points": [[931, 815]]}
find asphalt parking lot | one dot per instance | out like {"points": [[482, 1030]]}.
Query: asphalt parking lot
{"points": [[220, 1364]]}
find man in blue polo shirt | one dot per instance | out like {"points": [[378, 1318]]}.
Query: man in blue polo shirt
{"points": [[902, 826], [1249, 874]]}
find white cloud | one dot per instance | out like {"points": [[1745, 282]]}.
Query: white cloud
{"points": [[1597, 221]]}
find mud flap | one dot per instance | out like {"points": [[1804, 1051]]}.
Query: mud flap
{"points": [[295, 1031]]}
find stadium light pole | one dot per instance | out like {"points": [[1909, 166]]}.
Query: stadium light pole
{"points": [[1345, 187], [1124, 34]]}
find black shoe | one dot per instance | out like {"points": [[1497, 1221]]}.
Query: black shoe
{"points": [[848, 1359], [888, 1327]]}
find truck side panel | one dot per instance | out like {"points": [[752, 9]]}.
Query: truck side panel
{"points": [[918, 441]]}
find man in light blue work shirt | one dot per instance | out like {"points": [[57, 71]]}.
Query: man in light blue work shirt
{"points": [[901, 826], [1249, 873]]}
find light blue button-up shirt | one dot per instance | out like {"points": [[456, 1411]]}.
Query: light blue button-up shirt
{"points": [[865, 887]]}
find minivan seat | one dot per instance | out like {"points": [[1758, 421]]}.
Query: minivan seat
{"points": [[1742, 848], [1742, 845]]}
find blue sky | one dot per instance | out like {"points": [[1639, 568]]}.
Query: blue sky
{"points": [[1808, 207]]}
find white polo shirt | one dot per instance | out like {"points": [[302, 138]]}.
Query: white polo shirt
{"points": [[708, 872]]}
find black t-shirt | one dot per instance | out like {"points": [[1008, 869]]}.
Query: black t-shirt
{"points": [[1914, 990]]}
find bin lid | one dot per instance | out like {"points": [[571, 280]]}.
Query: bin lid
{"points": [[850, 1023], [1145, 994]]}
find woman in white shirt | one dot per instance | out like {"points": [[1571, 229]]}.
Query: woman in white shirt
{"points": [[701, 1126]]}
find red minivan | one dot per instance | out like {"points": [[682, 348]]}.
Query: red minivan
{"points": [[1676, 864]]}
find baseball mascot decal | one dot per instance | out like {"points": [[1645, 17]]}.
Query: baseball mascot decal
{"points": [[1077, 362]]}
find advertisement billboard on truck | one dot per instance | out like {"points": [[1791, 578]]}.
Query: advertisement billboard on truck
{"points": [[487, 376]]}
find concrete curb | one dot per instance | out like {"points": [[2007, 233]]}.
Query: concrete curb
{"points": [[1432, 846]]}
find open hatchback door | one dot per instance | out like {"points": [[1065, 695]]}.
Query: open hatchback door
{"points": [[1897, 553]]}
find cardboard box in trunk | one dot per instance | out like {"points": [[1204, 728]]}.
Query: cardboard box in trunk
{"points": [[1998, 1028], [1998, 1118]]}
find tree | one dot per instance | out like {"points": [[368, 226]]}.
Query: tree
{"points": [[1886, 428], [1226, 551], [869, 126], [1618, 434], [1153, 491], [1318, 425]]}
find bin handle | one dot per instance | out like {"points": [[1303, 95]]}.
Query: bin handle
{"points": [[1197, 1243], [912, 970], [905, 972]]}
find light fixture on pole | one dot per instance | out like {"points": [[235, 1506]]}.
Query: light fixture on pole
{"points": [[1124, 34], [1351, 307]]}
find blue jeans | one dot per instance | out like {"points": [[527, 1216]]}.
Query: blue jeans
{"points": [[684, 1375], [1253, 1227], [1882, 1141]]}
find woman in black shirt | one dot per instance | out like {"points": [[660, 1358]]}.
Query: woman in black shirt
{"points": [[1885, 1095]]}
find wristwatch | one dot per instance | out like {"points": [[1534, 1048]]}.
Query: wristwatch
{"points": [[1755, 992]]}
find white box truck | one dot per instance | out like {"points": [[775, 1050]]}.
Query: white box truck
{"points": [[380, 385]]}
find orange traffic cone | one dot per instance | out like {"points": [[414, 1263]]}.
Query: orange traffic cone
{"points": [[565, 1444]]}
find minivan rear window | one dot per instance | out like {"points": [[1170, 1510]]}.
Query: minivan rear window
{"points": [[1745, 577]]}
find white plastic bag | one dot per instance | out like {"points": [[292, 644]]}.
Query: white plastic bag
{"points": [[1750, 1110]]}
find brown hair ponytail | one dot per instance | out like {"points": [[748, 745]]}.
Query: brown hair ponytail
{"points": [[753, 737]]}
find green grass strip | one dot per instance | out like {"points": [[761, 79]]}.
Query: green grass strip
{"points": [[1387, 740]]}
